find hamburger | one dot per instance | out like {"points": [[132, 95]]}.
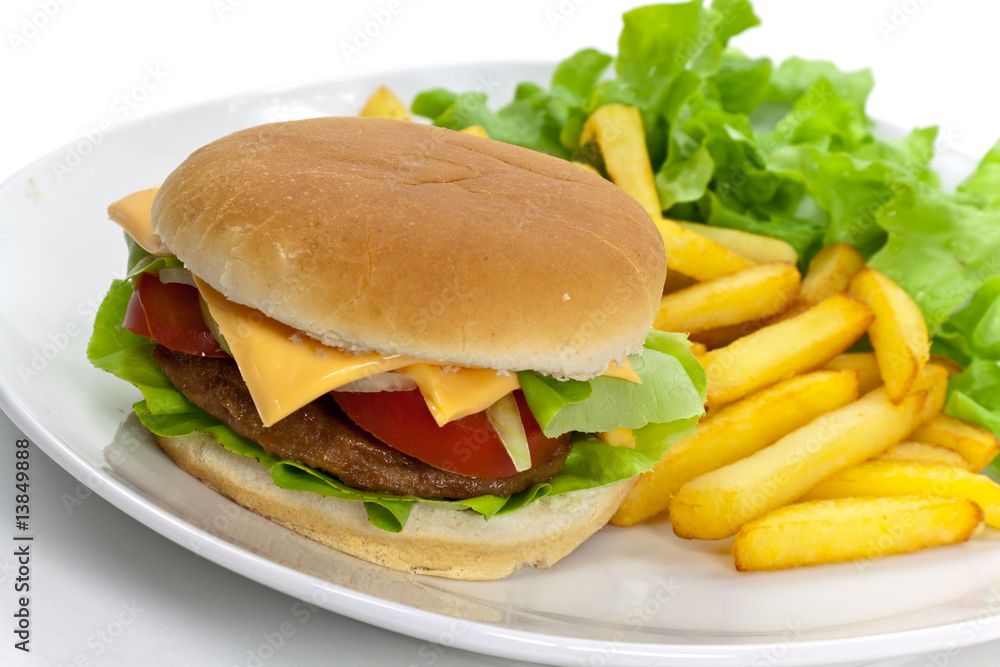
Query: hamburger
{"points": [[420, 347]]}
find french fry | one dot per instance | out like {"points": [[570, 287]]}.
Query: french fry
{"points": [[898, 333], [384, 104], [760, 291], [864, 363], [933, 380], [786, 348], [845, 529], [697, 256], [921, 452], [974, 443], [719, 503], [735, 432], [476, 130], [618, 131], [830, 271], [697, 349], [761, 249], [892, 478], [585, 165]]}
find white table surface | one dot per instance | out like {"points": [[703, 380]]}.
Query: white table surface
{"points": [[109, 591]]}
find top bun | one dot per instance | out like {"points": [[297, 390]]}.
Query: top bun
{"points": [[399, 237]]}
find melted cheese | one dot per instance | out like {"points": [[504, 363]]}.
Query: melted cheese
{"points": [[453, 392], [623, 371], [285, 369], [133, 214]]}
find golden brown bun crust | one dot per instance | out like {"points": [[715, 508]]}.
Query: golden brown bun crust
{"points": [[440, 542], [399, 237]]}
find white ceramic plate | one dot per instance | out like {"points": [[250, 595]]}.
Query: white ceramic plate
{"points": [[625, 597]]}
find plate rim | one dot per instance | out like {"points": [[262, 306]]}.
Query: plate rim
{"points": [[394, 616]]}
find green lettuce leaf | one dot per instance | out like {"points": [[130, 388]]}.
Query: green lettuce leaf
{"points": [[795, 77], [166, 412], [673, 388], [983, 185], [141, 260], [972, 337]]}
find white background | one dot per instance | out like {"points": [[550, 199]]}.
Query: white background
{"points": [[68, 68]]}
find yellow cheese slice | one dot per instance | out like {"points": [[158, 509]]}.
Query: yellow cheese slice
{"points": [[623, 371], [284, 369], [132, 213], [454, 392]]}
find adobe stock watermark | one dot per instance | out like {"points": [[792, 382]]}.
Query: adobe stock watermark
{"points": [[122, 107], [867, 214], [560, 13], [103, 639], [32, 25], [640, 616], [223, 8], [364, 35], [432, 653], [900, 14], [968, 631], [270, 644], [56, 341], [130, 437], [774, 653]]}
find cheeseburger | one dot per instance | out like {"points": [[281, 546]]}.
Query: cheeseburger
{"points": [[423, 348]]}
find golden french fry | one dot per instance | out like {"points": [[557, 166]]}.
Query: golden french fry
{"points": [[476, 130], [583, 165], [934, 381], [719, 503], [921, 452], [975, 444], [735, 432], [619, 134], [898, 333], [783, 349], [893, 478], [830, 271], [846, 529], [762, 249], [864, 363], [697, 349], [695, 255], [617, 130], [384, 104], [760, 291]]}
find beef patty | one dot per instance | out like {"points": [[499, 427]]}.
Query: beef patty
{"points": [[321, 436]]}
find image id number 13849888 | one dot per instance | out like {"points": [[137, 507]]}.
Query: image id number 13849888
{"points": [[22, 545]]}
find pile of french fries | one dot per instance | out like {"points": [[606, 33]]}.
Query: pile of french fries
{"points": [[808, 453]]}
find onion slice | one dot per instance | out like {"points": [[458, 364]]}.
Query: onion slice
{"points": [[387, 381], [176, 275], [506, 421]]}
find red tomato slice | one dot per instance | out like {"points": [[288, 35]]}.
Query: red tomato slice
{"points": [[467, 446], [170, 314], [135, 316]]}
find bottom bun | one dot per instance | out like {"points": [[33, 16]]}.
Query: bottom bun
{"points": [[442, 542]]}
